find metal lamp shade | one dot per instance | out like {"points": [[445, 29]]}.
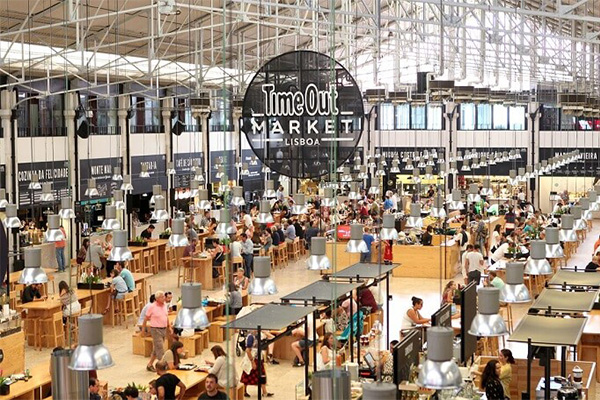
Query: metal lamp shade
{"points": [[47, 194], [66, 211], [11, 220], [160, 213], [110, 219], [144, 171], [224, 229], [33, 272], [91, 190], [594, 200], [192, 314], [3, 201], [262, 284], [363, 173], [438, 211], [270, 190], [409, 165], [177, 238], [299, 206], [245, 170], [118, 199], [395, 167], [354, 191], [346, 177], [439, 371], [203, 201], [120, 252], [171, 168], [117, 176], [473, 196], [156, 194], [514, 291], [578, 221], [126, 185], [238, 196], [488, 322], [456, 202], [537, 264], [329, 199], [452, 170], [54, 234], [388, 229], [318, 260], [35, 182], [567, 233], [586, 212], [265, 217], [194, 188], [90, 354], [416, 175], [415, 220], [356, 244], [374, 189], [379, 391], [198, 174]]}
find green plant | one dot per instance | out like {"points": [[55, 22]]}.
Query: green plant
{"points": [[138, 239], [225, 241], [90, 279], [3, 380], [140, 388]]}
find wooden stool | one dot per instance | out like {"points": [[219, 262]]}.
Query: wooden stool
{"points": [[196, 343], [146, 263], [32, 327], [153, 261], [237, 262], [55, 333], [136, 263], [219, 280], [302, 246], [293, 249], [506, 312], [127, 308]]}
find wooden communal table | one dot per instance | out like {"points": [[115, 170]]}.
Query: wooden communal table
{"points": [[198, 270], [36, 312], [39, 386], [155, 250], [193, 381]]}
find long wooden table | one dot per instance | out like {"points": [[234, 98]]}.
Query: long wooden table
{"points": [[14, 279], [200, 271], [39, 386]]}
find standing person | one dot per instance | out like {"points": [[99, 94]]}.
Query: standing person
{"points": [[167, 383], [481, 234], [248, 254], [147, 233], [253, 373], [388, 255], [212, 389], [490, 381], [59, 248], [157, 314], [236, 246], [95, 255], [246, 219], [368, 239], [474, 266], [509, 221], [506, 359], [496, 237]]}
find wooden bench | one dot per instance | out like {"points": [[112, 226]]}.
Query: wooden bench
{"points": [[195, 345], [142, 345], [216, 331]]}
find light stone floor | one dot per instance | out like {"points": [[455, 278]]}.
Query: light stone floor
{"points": [[283, 378]]}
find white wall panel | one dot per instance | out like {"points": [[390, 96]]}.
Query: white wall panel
{"points": [[147, 143], [220, 141], [492, 139], [99, 146], [408, 138], [563, 139], [2, 151], [41, 149], [187, 142]]}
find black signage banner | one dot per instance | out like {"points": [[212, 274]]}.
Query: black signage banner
{"points": [[409, 152], [100, 169], [501, 168], [228, 158], [3, 176], [301, 112], [56, 172], [184, 168], [157, 168], [588, 165]]}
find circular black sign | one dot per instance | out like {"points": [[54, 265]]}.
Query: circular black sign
{"points": [[303, 114]]}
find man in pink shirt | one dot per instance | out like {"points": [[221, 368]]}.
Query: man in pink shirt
{"points": [[158, 315]]}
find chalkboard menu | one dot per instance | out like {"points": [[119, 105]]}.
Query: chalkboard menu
{"points": [[56, 172], [157, 168], [100, 169], [184, 168]]}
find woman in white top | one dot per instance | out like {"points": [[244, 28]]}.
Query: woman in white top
{"points": [[412, 316], [223, 367], [495, 238], [325, 354]]}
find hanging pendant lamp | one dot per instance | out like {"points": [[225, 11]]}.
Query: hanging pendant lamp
{"points": [[270, 190], [33, 272], [537, 264], [262, 284], [191, 315], [416, 176], [578, 222], [47, 195], [144, 173], [362, 175], [224, 229], [299, 206], [356, 244], [34, 184], [388, 229], [126, 185], [553, 247], [567, 233], [438, 211], [473, 196], [157, 193], [374, 188], [177, 238], [439, 371], [203, 201], [329, 199], [238, 196], [318, 259], [91, 190], [415, 220], [3, 201], [117, 176], [514, 290], [120, 252], [54, 234], [10, 217], [90, 354], [110, 219], [264, 216], [487, 188], [160, 213], [488, 322], [456, 203], [66, 211]]}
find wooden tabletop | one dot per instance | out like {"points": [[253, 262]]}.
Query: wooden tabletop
{"points": [[190, 378], [592, 326], [151, 245], [47, 304], [40, 376]]}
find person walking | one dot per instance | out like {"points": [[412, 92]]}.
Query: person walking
{"points": [[60, 251], [157, 315], [248, 254]]}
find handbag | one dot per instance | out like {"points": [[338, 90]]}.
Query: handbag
{"points": [[246, 364]]}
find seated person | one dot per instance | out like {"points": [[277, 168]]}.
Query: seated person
{"points": [[190, 249], [304, 342], [427, 237], [593, 265], [94, 389], [147, 233], [494, 280], [131, 393], [412, 316], [325, 355], [212, 389], [172, 356], [218, 256], [240, 280], [234, 300], [118, 289], [327, 320], [32, 293]]}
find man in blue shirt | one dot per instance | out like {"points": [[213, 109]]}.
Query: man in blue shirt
{"points": [[388, 204], [290, 232], [127, 276], [368, 239]]}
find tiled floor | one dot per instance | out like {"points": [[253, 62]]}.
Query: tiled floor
{"points": [[283, 378]]}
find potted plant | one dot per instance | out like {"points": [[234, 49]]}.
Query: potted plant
{"points": [[4, 387], [166, 234], [137, 242], [91, 282]]}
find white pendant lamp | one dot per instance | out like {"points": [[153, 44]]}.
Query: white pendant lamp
{"points": [[33, 271], [194, 188], [224, 229], [346, 176], [514, 290], [438, 211], [10, 217], [456, 203], [578, 222], [374, 188], [415, 220], [362, 175], [220, 172], [388, 229], [47, 195], [356, 244], [91, 190], [126, 185], [120, 252], [537, 264], [592, 198], [203, 201], [110, 219], [144, 173], [118, 199], [553, 247], [487, 190], [354, 193], [318, 259], [34, 184], [329, 199], [395, 167], [512, 177], [245, 171], [429, 172], [567, 233], [177, 238], [416, 176], [191, 315], [452, 170], [117, 176], [171, 168], [262, 284], [380, 171], [3, 201], [488, 322], [238, 196], [264, 216], [253, 161], [473, 196], [299, 206], [66, 210], [157, 193], [199, 175], [90, 354], [409, 165], [465, 166], [442, 170], [54, 234], [439, 371], [270, 190], [160, 213], [586, 213]]}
